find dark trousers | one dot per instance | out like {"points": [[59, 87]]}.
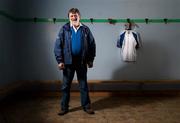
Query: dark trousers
{"points": [[68, 75]]}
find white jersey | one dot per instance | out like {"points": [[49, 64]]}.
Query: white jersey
{"points": [[129, 42]]}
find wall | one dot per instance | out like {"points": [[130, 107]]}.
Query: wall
{"points": [[8, 52], [8, 47], [158, 59]]}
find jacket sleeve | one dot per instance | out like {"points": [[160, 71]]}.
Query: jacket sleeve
{"points": [[138, 39], [58, 48], [120, 40], [91, 47]]}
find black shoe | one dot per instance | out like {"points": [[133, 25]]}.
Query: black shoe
{"points": [[63, 112], [89, 111]]}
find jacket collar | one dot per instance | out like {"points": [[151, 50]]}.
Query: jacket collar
{"points": [[67, 26]]}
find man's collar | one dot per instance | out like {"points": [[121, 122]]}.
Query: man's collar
{"points": [[76, 29], [80, 24]]}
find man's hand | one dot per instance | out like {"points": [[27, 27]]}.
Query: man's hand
{"points": [[61, 66], [90, 64]]}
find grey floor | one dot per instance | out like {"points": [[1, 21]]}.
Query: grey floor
{"points": [[117, 109]]}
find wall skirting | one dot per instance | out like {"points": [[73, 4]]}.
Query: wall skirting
{"points": [[113, 85], [96, 87], [9, 89]]}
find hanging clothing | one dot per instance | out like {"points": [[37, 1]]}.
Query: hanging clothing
{"points": [[129, 41]]}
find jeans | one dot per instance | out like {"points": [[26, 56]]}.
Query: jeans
{"points": [[68, 74]]}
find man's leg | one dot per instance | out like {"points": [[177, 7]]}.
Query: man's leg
{"points": [[68, 74], [81, 71]]}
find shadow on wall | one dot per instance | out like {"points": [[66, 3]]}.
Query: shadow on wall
{"points": [[152, 64]]}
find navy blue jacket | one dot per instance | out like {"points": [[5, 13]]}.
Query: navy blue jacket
{"points": [[62, 49]]}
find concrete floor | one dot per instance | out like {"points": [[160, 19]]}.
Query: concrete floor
{"points": [[122, 109]]}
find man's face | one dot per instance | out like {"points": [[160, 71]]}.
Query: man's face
{"points": [[74, 18]]}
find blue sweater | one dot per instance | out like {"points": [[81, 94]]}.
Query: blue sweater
{"points": [[76, 42]]}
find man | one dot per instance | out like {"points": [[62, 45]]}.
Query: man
{"points": [[74, 50]]}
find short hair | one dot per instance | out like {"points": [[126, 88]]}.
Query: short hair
{"points": [[74, 10]]}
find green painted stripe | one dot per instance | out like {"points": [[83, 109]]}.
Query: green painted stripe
{"points": [[113, 21], [4, 14]]}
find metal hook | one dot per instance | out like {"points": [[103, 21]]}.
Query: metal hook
{"points": [[35, 19], [111, 21], [54, 20], [91, 19], [128, 20], [165, 20], [146, 20]]}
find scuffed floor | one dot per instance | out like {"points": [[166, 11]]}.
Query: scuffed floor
{"points": [[42, 109]]}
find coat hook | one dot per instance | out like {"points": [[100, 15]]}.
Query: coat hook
{"points": [[54, 20], [146, 20], [111, 21], [35, 19], [165, 20], [128, 20], [91, 19]]}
